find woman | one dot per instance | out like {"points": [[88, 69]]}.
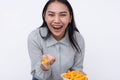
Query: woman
{"points": [[58, 41]]}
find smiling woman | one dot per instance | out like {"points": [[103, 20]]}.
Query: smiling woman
{"points": [[58, 41], [57, 18]]}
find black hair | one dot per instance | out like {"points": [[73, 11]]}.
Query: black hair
{"points": [[71, 26]]}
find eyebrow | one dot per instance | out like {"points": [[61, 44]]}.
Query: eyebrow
{"points": [[54, 12]]}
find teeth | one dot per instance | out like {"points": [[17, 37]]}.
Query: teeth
{"points": [[56, 26]]}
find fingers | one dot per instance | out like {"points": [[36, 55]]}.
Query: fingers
{"points": [[45, 64], [53, 59], [48, 57], [46, 61]]}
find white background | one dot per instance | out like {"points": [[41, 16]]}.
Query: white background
{"points": [[97, 20]]}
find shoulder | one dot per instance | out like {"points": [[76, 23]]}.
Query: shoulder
{"points": [[78, 36], [34, 34], [80, 40], [35, 39]]}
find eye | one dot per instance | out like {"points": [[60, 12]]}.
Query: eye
{"points": [[62, 14], [51, 15]]}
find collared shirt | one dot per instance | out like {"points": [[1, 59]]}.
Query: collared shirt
{"points": [[67, 58]]}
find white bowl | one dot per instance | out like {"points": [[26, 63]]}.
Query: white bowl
{"points": [[63, 77]]}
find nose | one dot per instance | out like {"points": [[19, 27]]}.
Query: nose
{"points": [[56, 19]]}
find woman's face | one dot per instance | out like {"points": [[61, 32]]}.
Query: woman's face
{"points": [[57, 18]]}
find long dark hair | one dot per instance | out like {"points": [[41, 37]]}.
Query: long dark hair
{"points": [[71, 26]]}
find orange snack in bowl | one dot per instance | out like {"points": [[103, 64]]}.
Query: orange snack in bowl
{"points": [[75, 75]]}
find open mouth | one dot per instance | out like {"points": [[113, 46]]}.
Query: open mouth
{"points": [[57, 27]]}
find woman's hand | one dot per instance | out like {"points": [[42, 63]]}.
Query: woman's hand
{"points": [[48, 64]]}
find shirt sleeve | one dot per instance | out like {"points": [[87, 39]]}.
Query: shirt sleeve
{"points": [[79, 57], [35, 53]]}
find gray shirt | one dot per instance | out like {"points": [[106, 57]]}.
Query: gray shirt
{"points": [[67, 58]]}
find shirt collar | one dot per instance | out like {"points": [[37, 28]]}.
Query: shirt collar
{"points": [[52, 41]]}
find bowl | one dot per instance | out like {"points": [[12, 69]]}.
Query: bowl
{"points": [[63, 77], [82, 77]]}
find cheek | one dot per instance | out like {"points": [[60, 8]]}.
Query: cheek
{"points": [[47, 20], [66, 22]]}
